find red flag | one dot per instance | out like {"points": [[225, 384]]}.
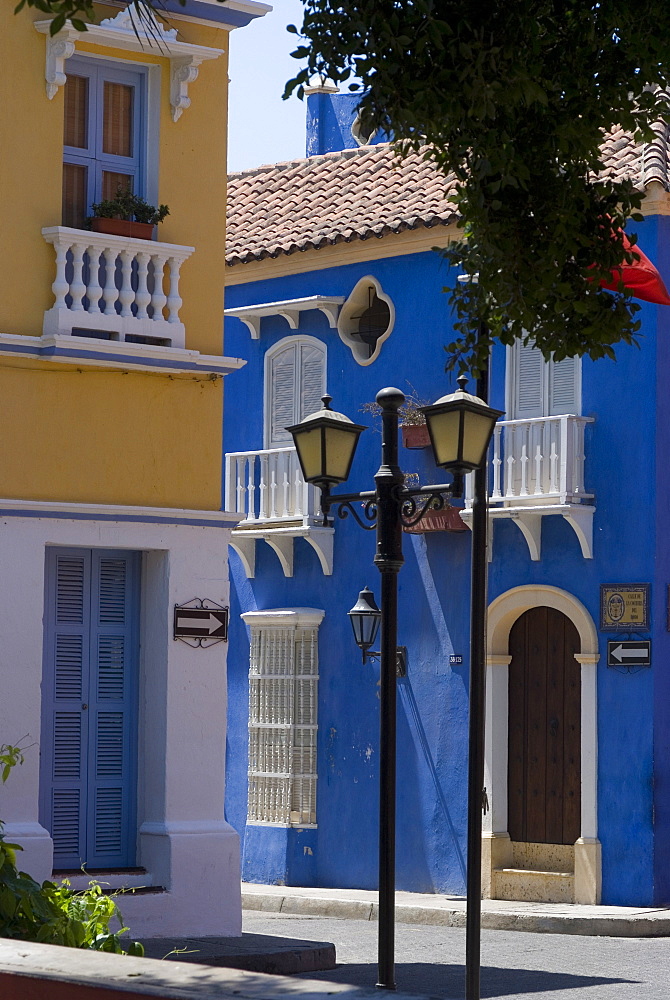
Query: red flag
{"points": [[641, 277]]}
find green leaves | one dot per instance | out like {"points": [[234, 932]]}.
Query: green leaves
{"points": [[50, 913], [512, 98]]}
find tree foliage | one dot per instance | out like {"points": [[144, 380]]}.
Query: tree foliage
{"points": [[50, 913], [512, 98]]}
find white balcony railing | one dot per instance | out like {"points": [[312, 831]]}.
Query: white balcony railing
{"points": [[538, 461], [112, 287], [267, 487]]}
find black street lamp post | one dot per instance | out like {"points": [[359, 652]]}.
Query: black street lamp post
{"points": [[460, 427]]}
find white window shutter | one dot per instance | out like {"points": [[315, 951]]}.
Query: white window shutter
{"points": [[312, 379], [564, 379], [529, 388], [282, 396]]}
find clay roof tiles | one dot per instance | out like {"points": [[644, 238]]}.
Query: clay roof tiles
{"points": [[366, 193]]}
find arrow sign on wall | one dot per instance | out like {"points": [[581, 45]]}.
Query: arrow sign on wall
{"points": [[201, 623], [632, 652]]}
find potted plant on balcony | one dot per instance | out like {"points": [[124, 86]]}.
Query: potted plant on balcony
{"points": [[412, 421], [127, 214]]}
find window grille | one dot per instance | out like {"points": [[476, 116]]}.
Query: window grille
{"points": [[283, 681]]}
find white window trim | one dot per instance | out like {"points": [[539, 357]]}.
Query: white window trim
{"points": [[288, 621], [277, 348], [121, 32]]}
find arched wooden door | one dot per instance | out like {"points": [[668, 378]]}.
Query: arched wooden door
{"points": [[544, 752]]}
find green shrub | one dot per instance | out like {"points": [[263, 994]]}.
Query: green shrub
{"points": [[126, 205], [50, 913]]}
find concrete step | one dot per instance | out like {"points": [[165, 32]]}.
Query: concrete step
{"points": [[529, 885], [138, 879]]}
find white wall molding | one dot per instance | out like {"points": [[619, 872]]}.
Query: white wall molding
{"points": [[127, 32], [288, 309], [285, 617], [83, 352], [47, 509]]}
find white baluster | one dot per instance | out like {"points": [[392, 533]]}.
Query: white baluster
{"points": [[240, 487], [263, 487], [60, 286], [77, 286], [110, 292], [251, 489], [126, 294], [509, 477], [158, 297], [538, 470], [93, 289], [578, 484], [567, 457], [287, 505], [524, 467], [497, 462], [273, 488], [142, 295], [553, 469], [299, 493], [173, 300]]}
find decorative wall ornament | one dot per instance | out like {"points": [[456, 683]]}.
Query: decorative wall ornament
{"points": [[127, 31], [58, 50], [366, 320], [183, 71]]}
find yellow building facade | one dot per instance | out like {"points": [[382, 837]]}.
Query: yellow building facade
{"points": [[111, 389]]}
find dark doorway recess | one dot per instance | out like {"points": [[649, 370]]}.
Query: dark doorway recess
{"points": [[544, 769]]}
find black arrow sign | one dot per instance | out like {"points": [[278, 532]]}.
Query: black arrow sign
{"points": [[201, 623], [629, 652]]}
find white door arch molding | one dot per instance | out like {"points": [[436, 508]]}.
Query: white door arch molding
{"points": [[496, 848]]}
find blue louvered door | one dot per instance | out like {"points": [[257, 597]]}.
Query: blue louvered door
{"points": [[89, 733]]}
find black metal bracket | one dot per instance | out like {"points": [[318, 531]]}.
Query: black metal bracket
{"points": [[413, 503], [400, 659]]}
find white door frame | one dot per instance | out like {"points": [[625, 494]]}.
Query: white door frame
{"points": [[496, 848]]}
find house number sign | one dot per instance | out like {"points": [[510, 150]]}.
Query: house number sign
{"points": [[624, 606]]}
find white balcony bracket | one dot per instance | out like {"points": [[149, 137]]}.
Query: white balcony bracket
{"points": [[530, 526], [288, 309], [529, 522], [59, 49], [580, 519], [283, 547], [246, 550], [321, 540], [128, 31], [281, 541], [183, 71]]}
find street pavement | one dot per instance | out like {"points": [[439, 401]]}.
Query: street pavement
{"points": [[515, 965]]}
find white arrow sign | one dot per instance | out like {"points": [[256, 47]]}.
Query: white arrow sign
{"points": [[197, 623], [621, 653]]}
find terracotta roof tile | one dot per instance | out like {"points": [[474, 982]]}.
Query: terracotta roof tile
{"points": [[355, 194], [366, 193]]}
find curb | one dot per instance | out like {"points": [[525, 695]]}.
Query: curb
{"points": [[635, 925]]}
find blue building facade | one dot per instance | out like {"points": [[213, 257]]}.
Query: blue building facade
{"points": [[333, 283]]}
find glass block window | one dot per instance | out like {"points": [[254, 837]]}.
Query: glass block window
{"points": [[283, 683]]}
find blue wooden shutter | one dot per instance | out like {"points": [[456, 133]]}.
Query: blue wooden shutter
{"points": [[112, 725], [90, 694], [65, 729]]}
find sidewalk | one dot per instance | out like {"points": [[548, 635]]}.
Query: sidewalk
{"points": [[449, 911]]}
